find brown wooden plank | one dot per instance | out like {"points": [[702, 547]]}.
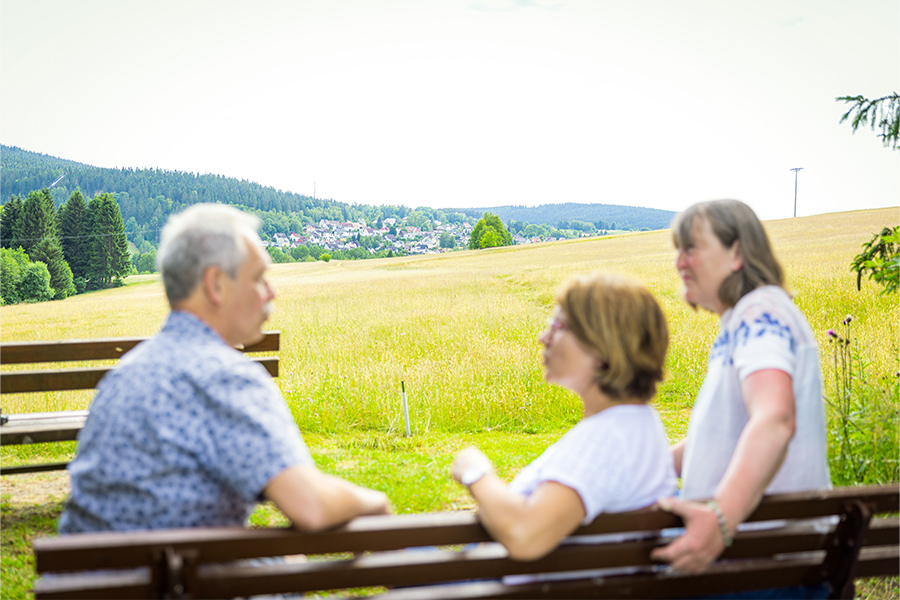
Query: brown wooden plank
{"points": [[96, 586], [85, 378], [881, 498], [66, 350], [883, 532], [36, 468], [111, 550], [740, 576], [271, 342], [51, 380], [415, 568], [389, 532], [390, 568], [98, 349], [878, 561], [34, 428]]}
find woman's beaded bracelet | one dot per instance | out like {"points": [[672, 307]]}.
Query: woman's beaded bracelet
{"points": [[723, 525]]}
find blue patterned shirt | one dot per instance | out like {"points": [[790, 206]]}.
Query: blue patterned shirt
{"points": [[186, 432]]}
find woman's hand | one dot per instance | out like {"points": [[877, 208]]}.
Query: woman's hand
{"points": [[761, 448], [701, 542], [469, 458]]}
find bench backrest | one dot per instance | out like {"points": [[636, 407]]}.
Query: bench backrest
{"points": [[373, 551], [86, 378], [43, 427]]}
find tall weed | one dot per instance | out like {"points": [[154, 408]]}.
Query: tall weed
{"points": [[863, 421]]}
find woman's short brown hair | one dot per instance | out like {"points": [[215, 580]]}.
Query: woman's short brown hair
{"points": [[620, 322], [733, 221]]}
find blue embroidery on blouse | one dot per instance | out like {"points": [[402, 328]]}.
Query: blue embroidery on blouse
{"points": [[766, 324]]}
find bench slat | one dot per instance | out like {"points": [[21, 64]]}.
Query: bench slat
{"points": [[732, 577], [392, 532], [85, 378], [99, 349], [35, 428], [97, 586], [490, 562], [36, 468], [799, 546], [878, 561]]}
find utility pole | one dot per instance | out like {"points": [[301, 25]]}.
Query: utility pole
{"points": [[795, 170]]}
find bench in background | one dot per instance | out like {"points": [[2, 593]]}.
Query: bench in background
{"points": [[43, 427], [373, 551]]}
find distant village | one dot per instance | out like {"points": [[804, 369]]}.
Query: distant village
{"points": [[394, 235]]}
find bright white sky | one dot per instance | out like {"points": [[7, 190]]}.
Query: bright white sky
{"points": [[466, 103]]}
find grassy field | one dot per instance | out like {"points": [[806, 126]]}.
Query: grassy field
{"points": [[460, 330]]}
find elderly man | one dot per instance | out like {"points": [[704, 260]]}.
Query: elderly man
{"points": [[188, 432]]}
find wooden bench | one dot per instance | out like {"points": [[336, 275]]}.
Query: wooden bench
{"points": [[43, 427], [373, 552]]}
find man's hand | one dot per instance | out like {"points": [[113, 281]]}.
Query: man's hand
{"points": [[699, 545]]}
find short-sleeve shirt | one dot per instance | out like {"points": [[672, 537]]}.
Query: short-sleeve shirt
{"points": [[185, 432], [617, 459], [764, 330]]}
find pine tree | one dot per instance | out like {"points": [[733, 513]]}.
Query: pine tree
{"points": [[37, 221], [12, 210], [110, 260], [73, 231]]}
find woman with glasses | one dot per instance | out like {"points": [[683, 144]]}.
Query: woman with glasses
{"points": [[607, 343]]}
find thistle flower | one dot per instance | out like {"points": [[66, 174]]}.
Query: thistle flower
{"points": [[847, 319], [831, 335]]}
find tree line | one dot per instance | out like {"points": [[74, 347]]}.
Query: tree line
{"points": [[50, 254], [150, 196]]}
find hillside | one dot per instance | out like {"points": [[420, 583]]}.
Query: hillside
{"points": [[603, 216], [151, 195]]}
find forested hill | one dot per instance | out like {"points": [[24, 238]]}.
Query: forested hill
{"points": [[149, 193], [149, 196], [604, 216]]}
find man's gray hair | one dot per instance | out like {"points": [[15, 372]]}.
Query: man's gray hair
{"points": [[202, 236]]}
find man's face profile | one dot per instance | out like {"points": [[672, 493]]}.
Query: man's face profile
{"points": [[249, 296]]}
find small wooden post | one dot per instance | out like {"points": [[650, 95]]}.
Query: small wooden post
{"points": [[405, 406]]}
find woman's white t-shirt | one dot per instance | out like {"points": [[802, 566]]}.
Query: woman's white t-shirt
{"points": [[764, 330], [617, 459]]}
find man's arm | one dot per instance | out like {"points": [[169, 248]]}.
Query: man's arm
{"points": [[314, 500], [761, 448]]}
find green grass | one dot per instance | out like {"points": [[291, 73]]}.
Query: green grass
{"points": [[20, 525], [460, 331]]}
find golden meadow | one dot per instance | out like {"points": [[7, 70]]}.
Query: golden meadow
{"points": [[461, 329]]}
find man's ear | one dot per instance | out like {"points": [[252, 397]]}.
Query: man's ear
{"points": [[213, 284]]}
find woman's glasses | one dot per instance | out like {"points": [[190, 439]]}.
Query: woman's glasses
{"points": [[556, 323]]}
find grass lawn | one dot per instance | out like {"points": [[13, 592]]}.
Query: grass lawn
{"points": [[459, 331]]}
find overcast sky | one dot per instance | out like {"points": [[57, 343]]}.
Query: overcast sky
{"points": [[466, 103]]}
